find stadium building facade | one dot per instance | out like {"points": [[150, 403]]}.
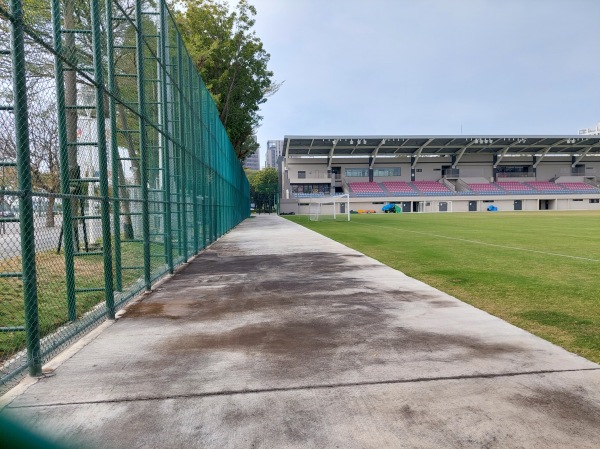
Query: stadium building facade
{"points": [[442, 173]]}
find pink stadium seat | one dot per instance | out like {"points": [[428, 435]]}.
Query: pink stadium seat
{"points": [[514, 186], [366, 188], [399, 187], [485, 188], [546, 186], [578, 187], [431, 188]]}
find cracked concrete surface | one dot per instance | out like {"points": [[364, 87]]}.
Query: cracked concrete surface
{"points": [[277, 337]]}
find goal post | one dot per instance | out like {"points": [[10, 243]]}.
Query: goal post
{"points": [[335, 207]]}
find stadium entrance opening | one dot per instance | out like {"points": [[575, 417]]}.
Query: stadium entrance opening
{"points": [[410, 206], [547, 204], [518, 205], [472, 206], [443, 205]]}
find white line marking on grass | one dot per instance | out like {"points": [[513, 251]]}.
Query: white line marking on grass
{"points": [[485, 243]]}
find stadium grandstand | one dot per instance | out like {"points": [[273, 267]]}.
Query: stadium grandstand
{"points": [[442, 173]]}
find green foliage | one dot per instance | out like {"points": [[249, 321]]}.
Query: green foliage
{"points": [[232, 62], [529, 268], [264, 188]]}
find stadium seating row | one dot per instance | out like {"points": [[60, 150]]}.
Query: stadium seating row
{"points": [[403, 188]]}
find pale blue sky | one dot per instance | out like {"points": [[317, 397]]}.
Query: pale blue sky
{"points": [[430, 66]]}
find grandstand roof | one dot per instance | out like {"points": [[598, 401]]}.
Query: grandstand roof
{"points": [[339, 146]]}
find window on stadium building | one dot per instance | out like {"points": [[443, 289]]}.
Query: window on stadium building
{"points": [[387, 171], [357, 172], [311, 188], [301, 175]]}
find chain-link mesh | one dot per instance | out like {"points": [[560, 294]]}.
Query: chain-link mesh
{"points": [[114, 167]]}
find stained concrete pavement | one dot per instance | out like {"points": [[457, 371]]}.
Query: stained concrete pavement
{"points": [[277, 337]]}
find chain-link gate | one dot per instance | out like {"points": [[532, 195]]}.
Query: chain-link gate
{"points": [[114, 167]]}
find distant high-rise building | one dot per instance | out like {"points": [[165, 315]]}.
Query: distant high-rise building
{"points": [[253, 162], [590, 131], [274, 150]]}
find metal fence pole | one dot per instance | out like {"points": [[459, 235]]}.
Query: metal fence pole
{"points": [[204, 151], [143, 141], [102, 161], [32, 326], [194, 150], [166, 142], [65, 186], [183, 147], [114, 147]]}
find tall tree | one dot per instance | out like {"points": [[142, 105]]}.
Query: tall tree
{"points": [[264, 187], [232, 62]]}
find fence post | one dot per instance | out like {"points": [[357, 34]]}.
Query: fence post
{"points": [[143, 141], [202, 158], [67, 215], [30, 299], [194, 156], [114, 147], [182, 144], [166, 142], [102, 160]]}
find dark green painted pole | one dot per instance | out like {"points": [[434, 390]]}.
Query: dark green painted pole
{"points": [[102, 160], [114, 147], [64, 164], [203, 94], [32, 325], [213, 149], [166, 142], [177, 149], [194, 147], [143, 141], [183, 144]]}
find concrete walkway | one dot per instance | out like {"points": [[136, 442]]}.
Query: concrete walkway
{"points": [[277, 337]]}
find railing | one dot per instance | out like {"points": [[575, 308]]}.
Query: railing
{"points": [[451, 173], [515, 175], [108, 131]]}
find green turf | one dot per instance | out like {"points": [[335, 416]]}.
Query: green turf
{"points": [[537, 270], [52, 290]]}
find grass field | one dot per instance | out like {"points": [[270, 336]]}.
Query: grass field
{"points": [[537, 270], [53, 311]]}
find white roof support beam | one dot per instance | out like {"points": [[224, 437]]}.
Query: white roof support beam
{"points": [[287, 152], [374, 155], [461, 153], [581, 156], [450, 142], [335, 142], [504, 151], [417, 153], [400, 146], [546, 151], [310, 146]]}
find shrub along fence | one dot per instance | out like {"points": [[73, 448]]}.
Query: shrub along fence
{"points": [[114, 167]]}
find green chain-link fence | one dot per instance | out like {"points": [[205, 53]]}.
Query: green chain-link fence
{"points": [[114, 167]]}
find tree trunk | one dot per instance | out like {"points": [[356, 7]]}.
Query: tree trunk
{"points": [[123, 191], [50, 212], [125, 207]]}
